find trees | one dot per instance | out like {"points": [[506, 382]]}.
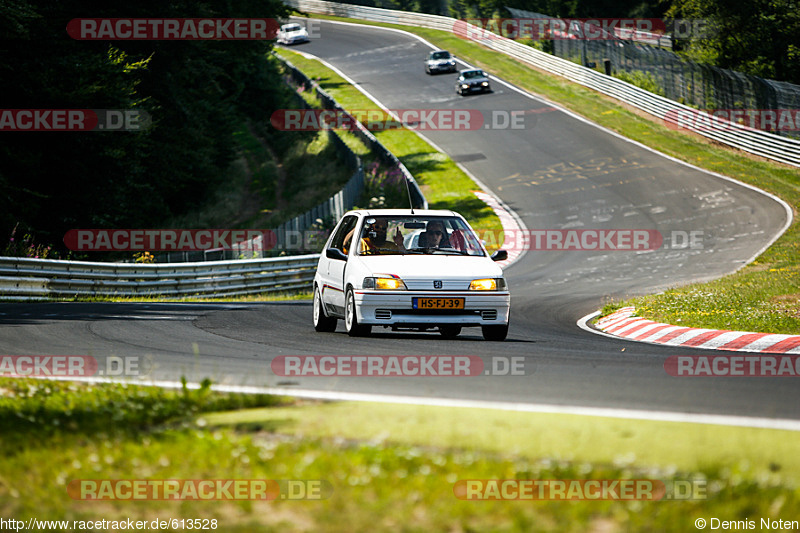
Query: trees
{"points": [[196, 91], [759, 37]]}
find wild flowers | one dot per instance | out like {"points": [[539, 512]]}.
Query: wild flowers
{"points": [[25, 247]]}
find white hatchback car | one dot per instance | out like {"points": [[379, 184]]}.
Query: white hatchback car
{"points": [[292, 33], [409, 271]]}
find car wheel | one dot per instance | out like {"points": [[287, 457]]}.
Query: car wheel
{"points": [[354, 329], [321, 321], [495, 333], [449, 331]]}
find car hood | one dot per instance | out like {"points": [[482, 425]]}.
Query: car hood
{"points": [[432, 266]]}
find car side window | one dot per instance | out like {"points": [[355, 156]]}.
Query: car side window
{"points": [[344, 234]]}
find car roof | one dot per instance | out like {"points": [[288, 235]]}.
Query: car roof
{"points": [[404, 212]]}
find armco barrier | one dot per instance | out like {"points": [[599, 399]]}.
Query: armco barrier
{"points": [[39, 279], [761, 143]]}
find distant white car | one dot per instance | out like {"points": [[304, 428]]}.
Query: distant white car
{"points": [[422, 271], [292, 33], [440, 61]]}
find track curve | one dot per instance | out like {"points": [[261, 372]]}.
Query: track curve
{"points": [[559, 172]]}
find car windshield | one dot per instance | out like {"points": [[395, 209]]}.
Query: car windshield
{"points": [[474, 74], [291, 27], [440, 55], [421, 235]]}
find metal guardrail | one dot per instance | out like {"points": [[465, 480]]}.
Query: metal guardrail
{"points": [[40, 279], [757, 142]]}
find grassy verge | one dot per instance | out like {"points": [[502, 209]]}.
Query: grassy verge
{"points": [[391, 468], [444, 184], [763, 296], [266, 188]]}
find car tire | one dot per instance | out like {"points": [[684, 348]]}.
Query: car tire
{"points": [[322, 322], [354, 329], [449, 331], [495, 333]]}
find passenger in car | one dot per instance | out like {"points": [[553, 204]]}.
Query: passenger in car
{"points": [[374, 238], [434, 236]]}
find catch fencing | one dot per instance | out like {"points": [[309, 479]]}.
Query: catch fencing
{"points": [[694, 84], [762, 143]]}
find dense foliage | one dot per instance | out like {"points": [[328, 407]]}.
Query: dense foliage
{"points": [[759, 37], [197, 92]]}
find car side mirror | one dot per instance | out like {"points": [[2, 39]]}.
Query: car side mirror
{"points": [[499, 255], [335, 253]]}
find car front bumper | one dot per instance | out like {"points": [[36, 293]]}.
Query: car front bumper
{"points": [[382, 308], [441, 68], [477, 88]]}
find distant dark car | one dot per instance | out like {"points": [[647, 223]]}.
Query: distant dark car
{"points": [[440, 61], [472, 81]]}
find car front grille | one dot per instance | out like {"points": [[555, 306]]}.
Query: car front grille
{"points": [[440, 312]]}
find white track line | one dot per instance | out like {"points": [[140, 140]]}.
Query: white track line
{"points": [[630, 414]]}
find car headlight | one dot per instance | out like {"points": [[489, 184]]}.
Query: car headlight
{"points": [[464, 86], [488, 284], [385, 284], [485, 84]]}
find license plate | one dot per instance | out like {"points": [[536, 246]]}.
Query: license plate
{"points": [[437, 303]]}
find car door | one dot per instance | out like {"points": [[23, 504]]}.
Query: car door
{"points": [[332, 290]]}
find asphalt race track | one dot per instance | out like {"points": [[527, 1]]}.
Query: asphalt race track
{"points": [[557, 172]]}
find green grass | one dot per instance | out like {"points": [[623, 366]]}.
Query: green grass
{"points": [[390, 468], [569, 438], [763, 296]]}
